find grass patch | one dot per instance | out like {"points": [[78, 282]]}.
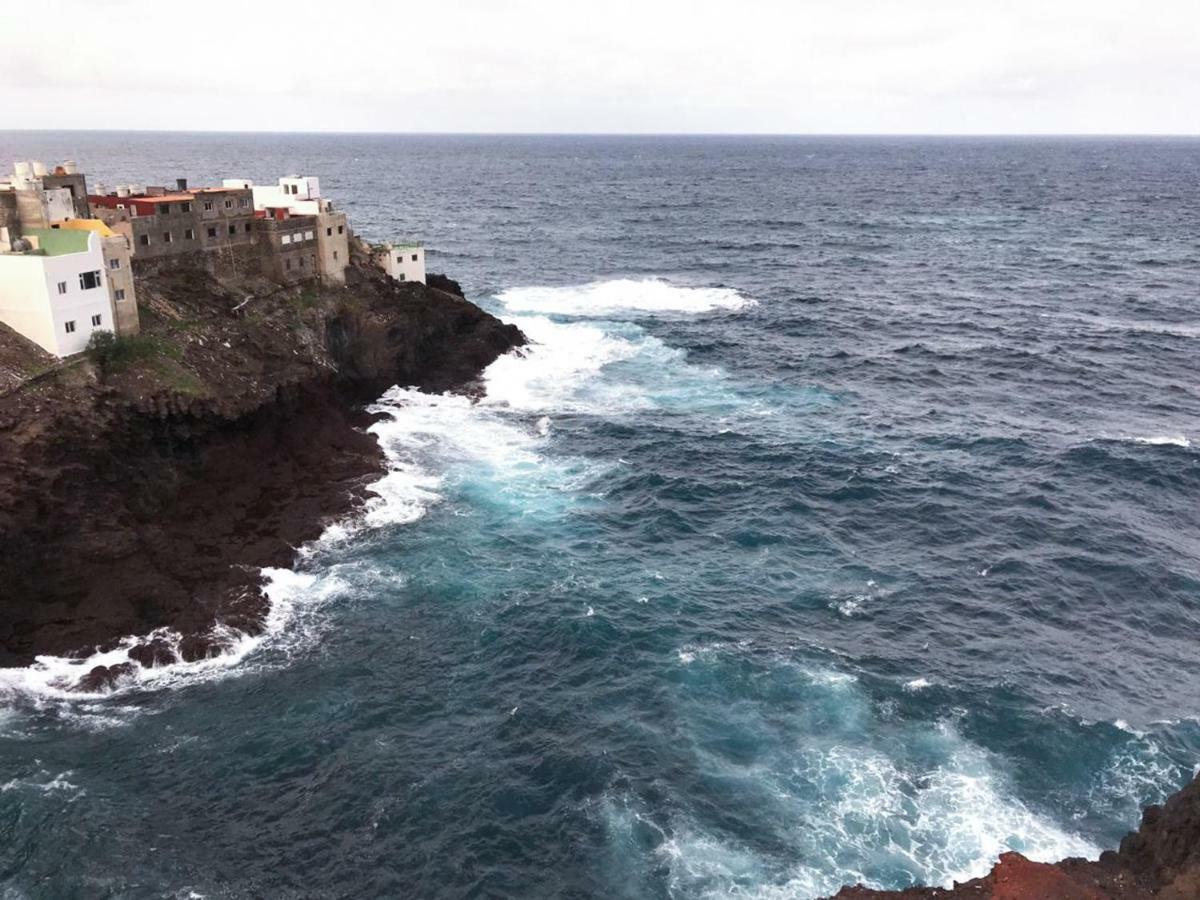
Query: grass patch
{"points": [[112, 354]]}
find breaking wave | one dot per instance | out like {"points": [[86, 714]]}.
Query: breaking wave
{"points": [[606, 298], [858, 801]]}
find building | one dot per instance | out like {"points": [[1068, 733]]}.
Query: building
{"points": [[54, 288], [118, 266], [404, 262], [300, 195], [42, 198], [170, 224], [290, 246]]}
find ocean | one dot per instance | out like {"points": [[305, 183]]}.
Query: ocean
{"points": [[839, 524]]}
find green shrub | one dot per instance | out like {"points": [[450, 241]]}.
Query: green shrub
{"points": [[113, 354]]}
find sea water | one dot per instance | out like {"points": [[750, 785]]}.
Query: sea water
{"points": [[838, 524]]}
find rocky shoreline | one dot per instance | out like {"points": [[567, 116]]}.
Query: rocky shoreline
{"points": [[146, 494], [1161, 859]]}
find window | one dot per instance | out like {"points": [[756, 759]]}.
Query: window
{"points": [[402, 276], [62, 287], [233, 229], [242, 201], [144, 240], [302, 262], [69, 326], [247, 228], [208, 206], [212, 232], [96, 320], [229, 204], [341, 228], [114, 264], [328, 232], [286, 239], [166, 237], [185, 207], [287, 263], [164, 208], [89, 280], [335, 256], [119, 294], [189, 234], [414, 257]]}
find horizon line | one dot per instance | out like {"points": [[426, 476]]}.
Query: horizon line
{"points": [[656, 134]]}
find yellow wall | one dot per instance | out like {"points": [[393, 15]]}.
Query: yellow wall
{"points": [[86, 225]]}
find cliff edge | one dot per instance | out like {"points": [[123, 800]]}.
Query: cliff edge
{"points": [[142, 486], [1161, 859]]}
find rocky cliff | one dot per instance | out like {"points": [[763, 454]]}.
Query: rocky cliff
{"points": [[1161, 859], [141, 488]]}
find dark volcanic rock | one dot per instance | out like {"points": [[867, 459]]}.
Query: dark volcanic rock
{"points": [[444, 283], [150, 654], [102, 678], [150, 496]]}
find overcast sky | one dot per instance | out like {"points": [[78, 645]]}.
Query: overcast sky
{"points": [[806, 66]]}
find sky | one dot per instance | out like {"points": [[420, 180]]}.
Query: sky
{"points": [[622, 66]]}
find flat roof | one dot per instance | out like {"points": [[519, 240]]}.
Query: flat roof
{"points": [[59, 241], [164, 198]]}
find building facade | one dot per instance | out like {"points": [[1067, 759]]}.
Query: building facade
{"points": [[54, 289], [290, 246], [404, 262], [118, 267]]}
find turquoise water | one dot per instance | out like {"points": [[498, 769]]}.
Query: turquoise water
{"points": [[838, 524]]}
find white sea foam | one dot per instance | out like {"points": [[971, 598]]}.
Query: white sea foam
{"points": [[1152, 440], [606, 298], [917, 684], [842, 807], [52, 681], [1161, 440]]}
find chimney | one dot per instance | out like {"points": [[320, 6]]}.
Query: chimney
{"points": [[181, 184]]}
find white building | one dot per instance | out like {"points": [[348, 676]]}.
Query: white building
{"points": [[299, 194], [54, 288], [404, 262]]}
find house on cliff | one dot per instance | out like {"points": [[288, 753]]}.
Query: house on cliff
{"points": [[404, 262], [299, 196], [288, 231], [53, 288], [63, 275]]}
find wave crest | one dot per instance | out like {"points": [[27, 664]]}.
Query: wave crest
{"points": [[605, 298]]}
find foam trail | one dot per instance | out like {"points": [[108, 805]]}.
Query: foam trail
{"points": [[607, 298], [1174, 440]]}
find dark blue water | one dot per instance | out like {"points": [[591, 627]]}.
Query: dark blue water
{"points": [[841, 524]]}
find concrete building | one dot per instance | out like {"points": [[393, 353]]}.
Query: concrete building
{"points": [[290, 246], [54, 288], [42, 198], [118, 266], [404, 262], [300, 195], [333, 244], [171, 224]]}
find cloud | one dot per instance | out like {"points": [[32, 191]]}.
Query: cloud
{"points": [[663, 65]]}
